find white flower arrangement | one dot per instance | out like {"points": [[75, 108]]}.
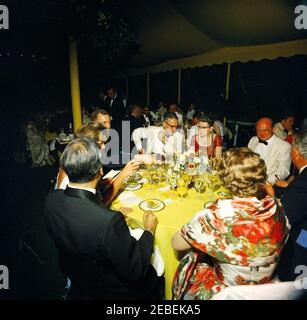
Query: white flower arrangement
{"points": [[189, 162]]}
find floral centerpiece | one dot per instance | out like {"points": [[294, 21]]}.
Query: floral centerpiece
{"points": [[192, 164]]}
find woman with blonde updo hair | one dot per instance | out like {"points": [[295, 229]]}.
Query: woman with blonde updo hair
{"points": [[243, 173], [233, 241]]}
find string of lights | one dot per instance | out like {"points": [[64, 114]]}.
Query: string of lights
{"points": [[33, 56]]}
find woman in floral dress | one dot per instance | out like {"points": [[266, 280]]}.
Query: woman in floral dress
{"points": [[232, 241]]}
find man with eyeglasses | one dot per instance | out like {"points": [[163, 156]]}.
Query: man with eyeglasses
{"points": [[163, 140]]}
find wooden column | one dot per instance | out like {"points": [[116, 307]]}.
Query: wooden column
{"points": [[227, 80], [74, 84]]}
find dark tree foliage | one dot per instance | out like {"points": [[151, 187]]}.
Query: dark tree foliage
{"points": [[102, 30]]}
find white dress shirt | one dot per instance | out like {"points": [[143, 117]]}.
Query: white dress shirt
{"points": [[191, 133], [190, 114], [112, 100], [262, 149], [179, 117], [146, 118], [152, 143], [302, 168], [92, 190], [276, 156]]}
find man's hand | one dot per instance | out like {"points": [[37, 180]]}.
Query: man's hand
{"points": [[281, 183], [131, 167], [150, 221], [269, 189], [144, 158], [125, 211]]}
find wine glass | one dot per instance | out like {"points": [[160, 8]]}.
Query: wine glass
{"points": [[160, 173], [182, 187], [216, 182], [199, 184], [150, 172], [172, 180], [187, 178], [210, 186]]}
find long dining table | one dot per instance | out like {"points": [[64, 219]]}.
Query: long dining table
{"points": [[176, 212]]}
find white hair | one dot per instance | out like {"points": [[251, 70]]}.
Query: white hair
{"points": [[300, 143]]}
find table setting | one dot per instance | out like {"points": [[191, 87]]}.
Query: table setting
{"points": [[175, 190]]}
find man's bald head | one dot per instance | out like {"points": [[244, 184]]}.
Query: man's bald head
{"points": [[264, 128], [265, 121]]}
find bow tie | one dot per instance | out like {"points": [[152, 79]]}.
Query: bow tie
{"points": [[264, 142]]}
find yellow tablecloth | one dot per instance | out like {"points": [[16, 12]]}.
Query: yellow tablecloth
{"points": [[176, 213]]}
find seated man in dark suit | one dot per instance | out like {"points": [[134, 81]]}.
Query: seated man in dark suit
{"points": [[294, 200], [136, 120], [135, 117], [147, 117], [96, 251]]}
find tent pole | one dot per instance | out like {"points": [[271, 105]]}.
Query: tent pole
{"points": [[148, 88], [179, 86], [74, 84], [228, 80]]}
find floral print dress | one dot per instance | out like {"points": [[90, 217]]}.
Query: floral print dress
{"points": [[240, 239]]}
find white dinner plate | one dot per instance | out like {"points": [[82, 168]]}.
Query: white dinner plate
{"points": [[152, 205], [133, 187]]}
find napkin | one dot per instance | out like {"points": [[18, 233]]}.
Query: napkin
{"points": [[111, 174], [156, 258], [128, 198]]}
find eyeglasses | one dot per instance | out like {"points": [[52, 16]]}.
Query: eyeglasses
{"points": [[176, 126]]}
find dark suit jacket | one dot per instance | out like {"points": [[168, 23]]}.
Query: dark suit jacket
{"points": [[96, 250], [134, 122], [294, 200], [117, 111]]}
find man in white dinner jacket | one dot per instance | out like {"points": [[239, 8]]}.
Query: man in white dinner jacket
{"points": [[160, 140], [274, 151]]}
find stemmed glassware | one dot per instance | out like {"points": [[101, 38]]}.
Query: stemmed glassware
{"points": [[199, 183], [212, 183], [160, 171], [182, 187], [187, 178], [172, 180]]}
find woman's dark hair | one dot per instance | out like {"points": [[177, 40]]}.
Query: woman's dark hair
{"points": [[206, 119], [81, 160], [287, 114]]}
